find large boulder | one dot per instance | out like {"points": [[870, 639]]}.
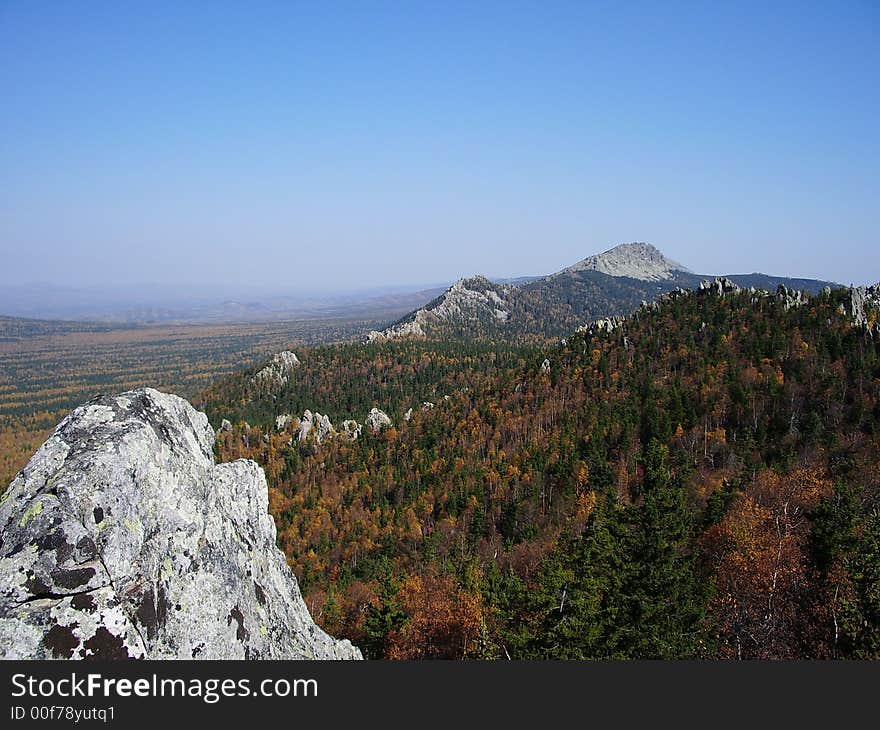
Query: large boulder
{"points": [[122, 538]]}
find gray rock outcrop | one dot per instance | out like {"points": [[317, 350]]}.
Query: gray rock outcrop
{"points": [[325, 428], [862, 302], [606, 324], [122, 538], [314, 424], [719, 286], [791, 298], [467, 298], [377, 420]]}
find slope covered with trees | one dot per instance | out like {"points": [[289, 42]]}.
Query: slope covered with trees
{"points": [[551, 307], [700, 482]]}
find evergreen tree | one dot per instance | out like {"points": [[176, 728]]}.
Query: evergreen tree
{"points": [[578, 602], [861, 612], [664, 606]]}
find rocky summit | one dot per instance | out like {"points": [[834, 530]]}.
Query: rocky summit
{"points": [[123, 539]]}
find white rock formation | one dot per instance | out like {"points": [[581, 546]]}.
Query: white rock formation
{"points": [[377, 420], [282, 421], [314, 423], [325, 428], [719, 286], [606, 324], [791, 298], [277, 373], [122, 538], [862, 302], [401, 330]]}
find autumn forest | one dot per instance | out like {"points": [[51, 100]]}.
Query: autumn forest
{"points": [[700, 482]]}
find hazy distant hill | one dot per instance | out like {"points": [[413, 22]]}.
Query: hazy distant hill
{"points": [[144, 304]]}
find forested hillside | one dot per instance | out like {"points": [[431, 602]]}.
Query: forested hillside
{"points": [[702, 481], [552, 306]]}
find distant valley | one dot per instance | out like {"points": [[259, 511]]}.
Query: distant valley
{"points": [[145, 305], [607, 462], [77, 344]]}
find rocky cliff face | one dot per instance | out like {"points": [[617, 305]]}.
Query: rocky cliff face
{"points": [[860, 304], [122, 538], [612, 283], [377, 420]]}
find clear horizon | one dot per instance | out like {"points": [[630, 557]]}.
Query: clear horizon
{"points": [[360, 145]]}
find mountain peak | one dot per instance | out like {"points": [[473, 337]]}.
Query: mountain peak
{"points": [[637, 260]]}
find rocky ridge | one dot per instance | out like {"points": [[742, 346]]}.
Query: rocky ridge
{"points": [[609, 283], [318, 427], [466, 298], [861, 304]]}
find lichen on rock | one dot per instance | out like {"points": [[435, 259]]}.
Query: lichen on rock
{"points": [[122, 538]]}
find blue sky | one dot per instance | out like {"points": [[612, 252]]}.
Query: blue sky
{"points": [[277, 146]]}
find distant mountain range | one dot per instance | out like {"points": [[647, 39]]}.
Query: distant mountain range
{"points": [[145, 304], [611, 283]]}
